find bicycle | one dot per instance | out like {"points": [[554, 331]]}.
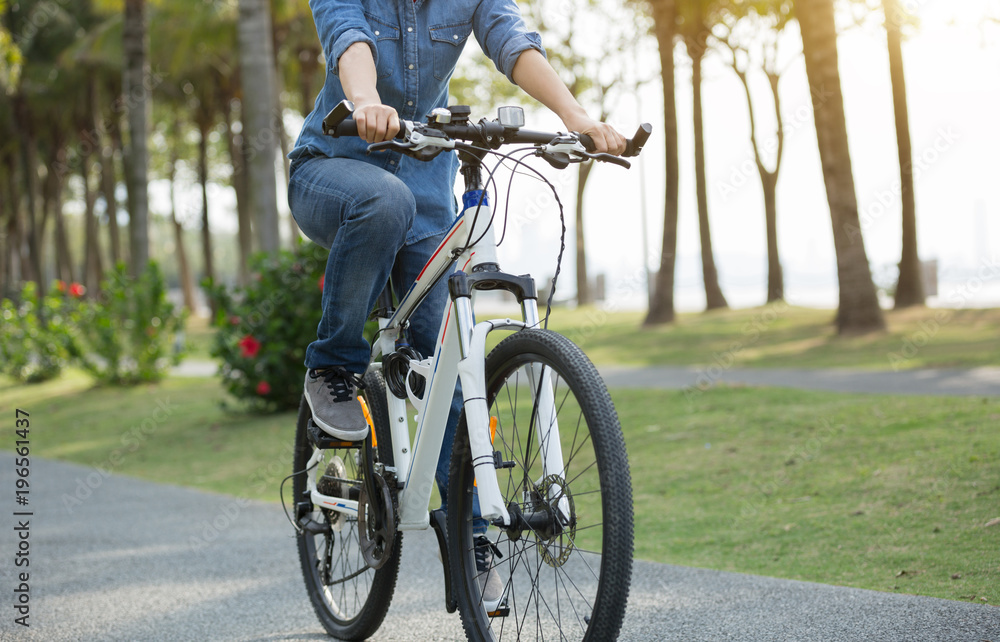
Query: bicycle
{"points": [[538, 440]]}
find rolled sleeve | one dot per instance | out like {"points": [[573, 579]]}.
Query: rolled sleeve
{"points": [[340, 24], [502, 34]]}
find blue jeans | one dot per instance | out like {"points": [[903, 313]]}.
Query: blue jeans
{"points": [[362, 214]]}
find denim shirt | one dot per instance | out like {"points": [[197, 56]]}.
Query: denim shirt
{"points": [[416, 45]]}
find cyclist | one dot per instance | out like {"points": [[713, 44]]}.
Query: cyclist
{"points": [[386, 213]]}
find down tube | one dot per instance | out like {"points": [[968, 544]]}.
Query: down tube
{"points": [[440, 390]]}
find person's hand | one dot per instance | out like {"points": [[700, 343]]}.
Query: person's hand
{"points": [[376, 122], [606, 138]]}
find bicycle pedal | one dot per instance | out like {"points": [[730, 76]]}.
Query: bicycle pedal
{"points": [[323, 441], [501, 611]]}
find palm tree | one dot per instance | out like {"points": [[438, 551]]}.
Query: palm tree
{"points": [[695, 29], [661, 307], [257, 60], [138, 104], [910, 288], [858, 310]]}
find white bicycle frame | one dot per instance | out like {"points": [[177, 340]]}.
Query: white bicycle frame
{"points": [[460, 354]]}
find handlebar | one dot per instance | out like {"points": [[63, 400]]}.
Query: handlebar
{"points": [[433, 137]]}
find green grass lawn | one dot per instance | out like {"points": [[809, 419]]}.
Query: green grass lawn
{"points": [[776, 336], [780, 336], [887, 493]]}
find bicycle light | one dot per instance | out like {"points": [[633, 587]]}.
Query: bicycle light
{"points": [[512, 117]]}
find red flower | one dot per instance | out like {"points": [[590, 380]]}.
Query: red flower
{"points": [[263, 388], [249, 347], [76, 290], [61, 286], [322, 280]]}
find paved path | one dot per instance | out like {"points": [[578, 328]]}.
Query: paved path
{"points": [[978, 381], [974, 382], [120, 564]]}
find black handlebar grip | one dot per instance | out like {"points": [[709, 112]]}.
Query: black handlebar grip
{"points": [[334, 124], [634, 146]]}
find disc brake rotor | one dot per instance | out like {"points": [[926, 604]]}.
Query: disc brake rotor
{"points": [[557, 549]]}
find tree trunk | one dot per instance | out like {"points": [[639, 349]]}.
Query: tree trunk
{"points": [[714, 299], [768, 181], [53, 192], [206, 230], [259, 126], [661, 308], [65, 269], [184, 271], [7, 213], [31, 235], [910, 288], [775, 277], [139, 104], [242, 188], [92, 268], [583, 296], [118, 149], [14, 262], [108, 185], [858, 310]]}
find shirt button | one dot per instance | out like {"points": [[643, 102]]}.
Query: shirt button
{"points": [[455, 36], [409, 103], [376, 33], [392, 162], [411, 67], [408, 29]]}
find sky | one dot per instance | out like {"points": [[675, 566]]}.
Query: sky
{"points": [[953, 77], [952, 69]]}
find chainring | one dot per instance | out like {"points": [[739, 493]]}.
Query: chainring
{"points": [[376, 544]]}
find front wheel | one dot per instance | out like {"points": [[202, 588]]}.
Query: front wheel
{"points": [[566, 568], [350, 598]]}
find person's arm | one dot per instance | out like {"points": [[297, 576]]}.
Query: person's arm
{"points": [[349, 47], [533, 73], [376, 122]]}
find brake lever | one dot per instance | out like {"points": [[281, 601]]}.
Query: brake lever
{"points": [[610, 158], [389, 144]]}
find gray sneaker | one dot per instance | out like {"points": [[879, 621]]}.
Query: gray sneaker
{"points": [[332, 396], [489, 580]]}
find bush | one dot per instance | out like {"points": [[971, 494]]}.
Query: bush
{"points": [[127, 336], [35, 336], [264, 327]]}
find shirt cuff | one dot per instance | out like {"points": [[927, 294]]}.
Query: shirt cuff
{"points": [[343, 42], [513, 48]]}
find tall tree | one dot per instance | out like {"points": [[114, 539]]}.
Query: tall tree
{"points": [[257, 59], [858, 309], [138, 103], [910, 288], [751, 33], [696, 18], [661, 307]]}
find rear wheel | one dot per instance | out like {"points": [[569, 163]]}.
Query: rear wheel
{"points": [[567, 567], [350, 598]]}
